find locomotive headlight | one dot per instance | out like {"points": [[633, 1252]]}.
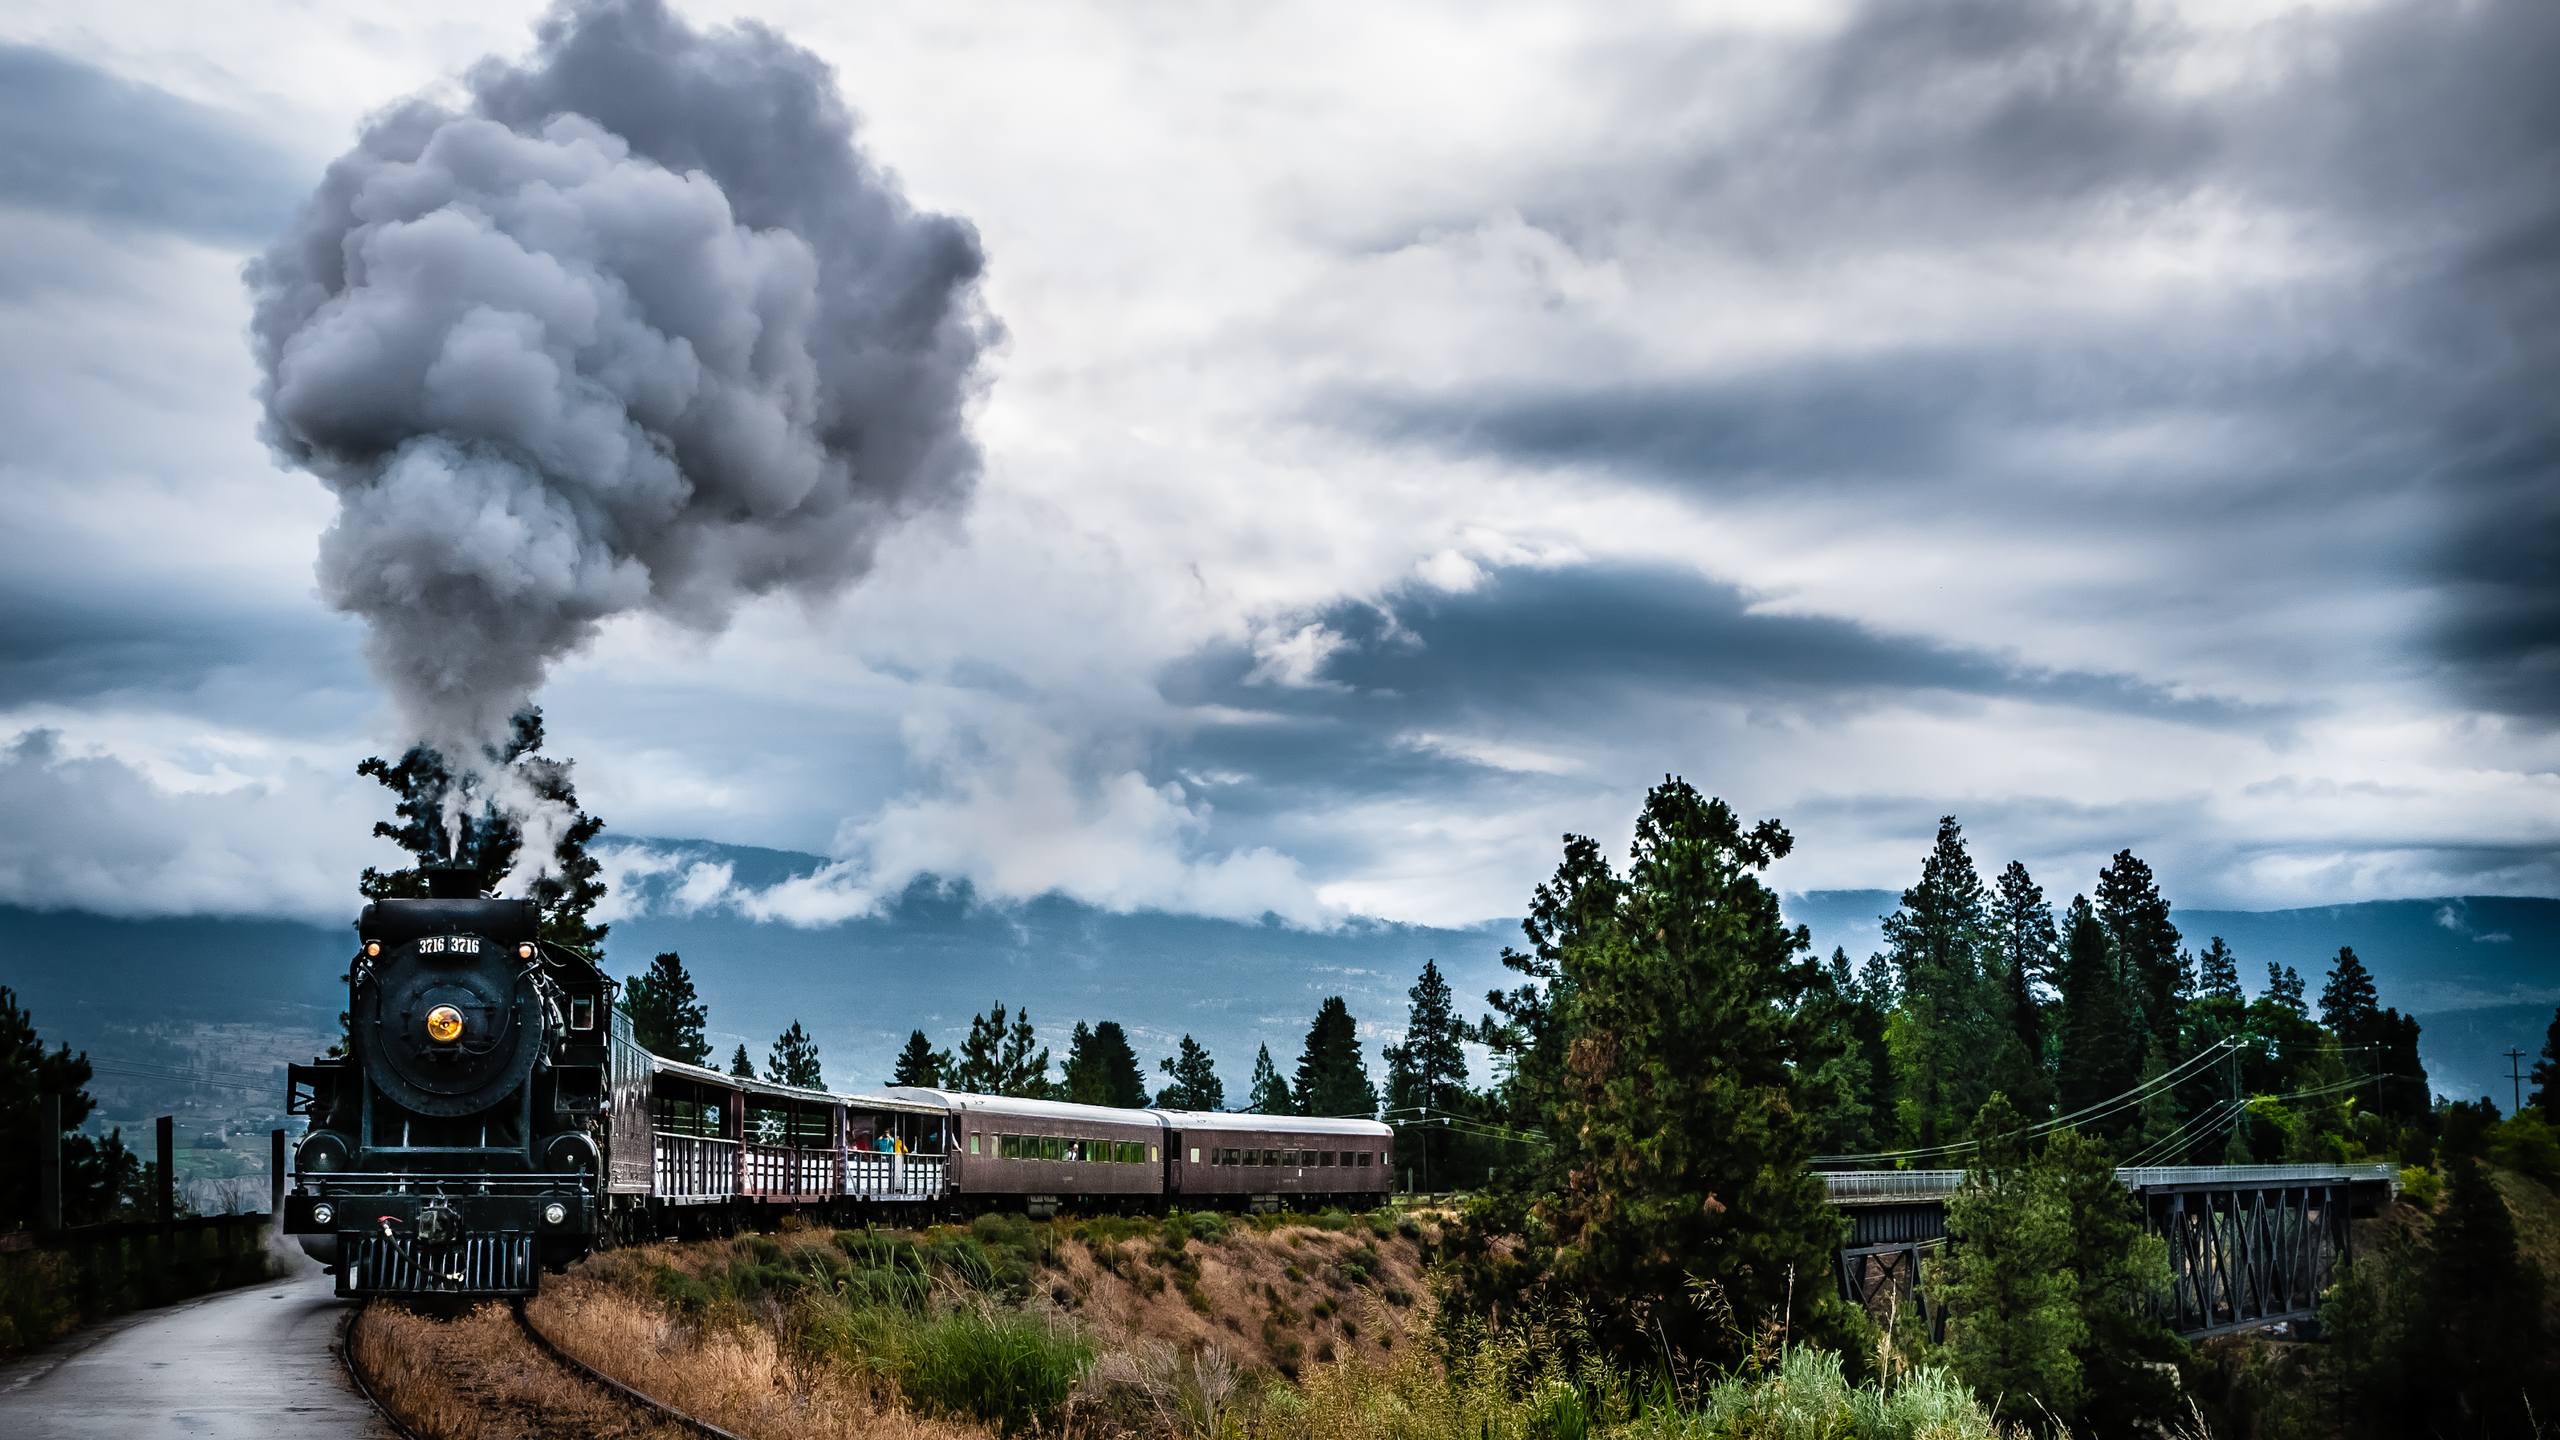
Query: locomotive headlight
{"points": [[525, 951], [323, 1213], [373, 949], [554, 1213], [444, 1024]]}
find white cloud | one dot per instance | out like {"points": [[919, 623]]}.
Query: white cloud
{"points": [[169, 834]]}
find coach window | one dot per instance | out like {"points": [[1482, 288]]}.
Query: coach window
{"points": [[973, 1142], [1364, 1159]]}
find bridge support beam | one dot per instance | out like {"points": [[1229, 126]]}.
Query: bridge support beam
{"points": [[2247, 1255]]}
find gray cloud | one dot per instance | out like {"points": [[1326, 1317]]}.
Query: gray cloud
{"points": [[77, 140], [1551, 640], [2397, 366], [639, 329]]}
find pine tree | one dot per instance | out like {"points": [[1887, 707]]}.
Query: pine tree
{"points": [[1083, 1082], [1195, 1079], [2483, 1313], [28, 1073], [1582, 895], [1333, 1075], [666, 1015], [486, 837], [794, 1060], [2137, 919], [2027, 952], [2018, 1328], [980, 1069], [2098, 1055], [740, 1065], [2546, 1073], [1270, 1094], [1024, 1062], [1427, 1076], [2117, 1269], [1849, 1099], [1937, 940], [920, 1064], [1678, 1141], [1102, 1069], [2284, 987], [2349, 1004], [2218, 973]]}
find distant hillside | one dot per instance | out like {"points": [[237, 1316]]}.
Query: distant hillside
{"points": [[935, 955], [2481, 973]]}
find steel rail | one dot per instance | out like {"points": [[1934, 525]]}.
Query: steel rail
{"points": [[631, 1396], [346, 1348]]}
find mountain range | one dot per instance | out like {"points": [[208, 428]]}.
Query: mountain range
{"points": [[2482, 973]]}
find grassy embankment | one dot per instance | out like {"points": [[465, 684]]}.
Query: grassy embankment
{"points": [[1204, 1327]]}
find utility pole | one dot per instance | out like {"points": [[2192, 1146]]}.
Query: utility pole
{"points": [[2515, 1078]]}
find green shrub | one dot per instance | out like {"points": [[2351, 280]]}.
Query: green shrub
{"points": [[2421, 1186], [2526, 1144], [1008, 1369]]}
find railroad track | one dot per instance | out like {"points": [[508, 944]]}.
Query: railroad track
{"points": [[637, 1400], [585, 1371], [356, 1377]]}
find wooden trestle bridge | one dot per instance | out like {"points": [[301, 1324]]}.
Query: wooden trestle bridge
{"points": [[2249, 1245]]}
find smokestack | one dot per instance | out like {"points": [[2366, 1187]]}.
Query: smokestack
{"points": [[638, 328]]}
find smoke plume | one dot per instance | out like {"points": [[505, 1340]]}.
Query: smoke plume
{"points": [[639, 327]]}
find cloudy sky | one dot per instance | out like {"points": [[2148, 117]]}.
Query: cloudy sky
{"points": [[1414, 430]]}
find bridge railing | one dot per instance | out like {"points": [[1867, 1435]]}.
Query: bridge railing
{"points": [[1872, 1185]]}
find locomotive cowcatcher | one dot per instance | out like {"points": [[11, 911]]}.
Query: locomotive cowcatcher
{"points": [[452, 1151]]}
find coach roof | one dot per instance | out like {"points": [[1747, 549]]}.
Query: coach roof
{"points": [[1272, 1124], [1061, 1110]]}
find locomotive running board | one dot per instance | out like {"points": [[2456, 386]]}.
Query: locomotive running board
{"points": [[496, 1266]]}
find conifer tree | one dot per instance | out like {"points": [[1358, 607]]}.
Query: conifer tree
{"points": [[2546, 1074], [2284, 987], [980, 1068], [1849, 1096], [2218, 973], [1270, 1094], [486, 837], [2019, 1329], [2027, 952], [1102, 1069], [2137, 919], [1195, 1083], [1582, 895], [1025, 1061], [2098, 1054], [740, 1065], [666, 1015], [1333, 1075], [95, 1173], [1937, 940], [920, 1064], [1678, 1138], [2483, 1313], [2349, 1004], [794, 1060], [1427, 1076]]}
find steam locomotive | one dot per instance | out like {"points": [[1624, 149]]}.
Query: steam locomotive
{"points": [[493, 1118]]}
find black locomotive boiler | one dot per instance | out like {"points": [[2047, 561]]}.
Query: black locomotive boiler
{"points": [[453, 1149]]}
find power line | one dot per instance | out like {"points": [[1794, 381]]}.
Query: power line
{"points": [[2135, 1096]]}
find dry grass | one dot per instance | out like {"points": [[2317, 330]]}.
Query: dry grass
{"points": [[478, 1378], [1281, 1300], [736, 1377]]}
